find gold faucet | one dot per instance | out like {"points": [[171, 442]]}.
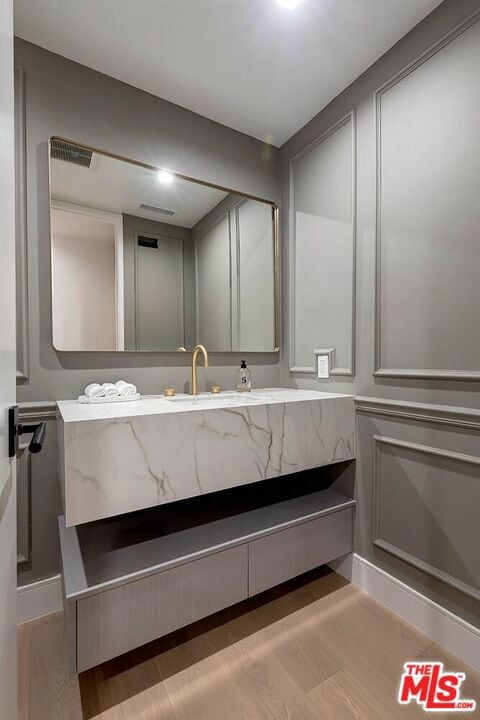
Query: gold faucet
{"points": [[196, 350]]}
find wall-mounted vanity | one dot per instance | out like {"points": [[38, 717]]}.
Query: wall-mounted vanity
{"points": [[231, 512], [177, 507]]}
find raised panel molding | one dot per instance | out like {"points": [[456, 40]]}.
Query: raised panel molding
{"points": [[24, 505], [412, 560], [420, 412], [28, 413], [294, 368], [235, 272], [379, 370], [137, 281], [224, 217], [21, 253]]}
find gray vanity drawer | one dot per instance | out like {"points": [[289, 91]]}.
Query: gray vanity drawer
{"points": [[288, 553], [117, 620]]}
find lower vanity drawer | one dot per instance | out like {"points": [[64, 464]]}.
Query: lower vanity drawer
{"points": [[112, 622], [291, 552], [132, 579]]}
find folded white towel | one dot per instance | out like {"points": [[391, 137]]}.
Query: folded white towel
{"points": [[94, 390], [126, 388], [111, 390]]}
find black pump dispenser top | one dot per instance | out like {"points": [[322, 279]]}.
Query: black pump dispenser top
{"points": [[243, 364]]}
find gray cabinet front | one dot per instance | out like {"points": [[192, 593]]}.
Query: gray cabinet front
{"points": [[117, 620], [283, 555], [109, 619]]}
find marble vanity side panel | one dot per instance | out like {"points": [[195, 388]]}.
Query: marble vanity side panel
{"points": [[121, 465], [60, 427]]}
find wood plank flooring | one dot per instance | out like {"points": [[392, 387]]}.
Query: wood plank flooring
{"points": [[314, 648]]}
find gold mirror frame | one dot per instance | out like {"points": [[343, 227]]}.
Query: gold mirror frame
{"points": [[181, 176]]}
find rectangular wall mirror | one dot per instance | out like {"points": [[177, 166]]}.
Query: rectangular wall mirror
{"points": [[148, 260]]}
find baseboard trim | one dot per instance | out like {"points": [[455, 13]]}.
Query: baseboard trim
{"points": [[39, 598], [444, 627]]}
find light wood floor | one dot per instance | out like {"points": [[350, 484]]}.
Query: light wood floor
{"points": [[309, 650]]}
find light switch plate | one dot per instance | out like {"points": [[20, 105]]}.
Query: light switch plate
{"points": [[324, 362], [323, 369]]}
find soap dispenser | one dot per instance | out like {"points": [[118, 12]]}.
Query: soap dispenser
{"points": [[244, 378]]}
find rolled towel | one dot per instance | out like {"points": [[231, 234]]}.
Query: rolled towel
{"points": [[111, 390], [125, 388], [94, 390]]}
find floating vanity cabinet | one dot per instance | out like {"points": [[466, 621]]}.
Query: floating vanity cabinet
{"points": [[132, 579]]}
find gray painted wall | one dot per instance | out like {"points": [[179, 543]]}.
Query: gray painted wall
{"points": [[418, 471], [67, 99]]}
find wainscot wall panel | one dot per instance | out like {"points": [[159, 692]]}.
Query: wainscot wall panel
{"points": [[418, 493], [417, 298], [428, 214], [24, 504], [40, 501], [213, 302], [437, 488], [322, 251], [21, 255]]}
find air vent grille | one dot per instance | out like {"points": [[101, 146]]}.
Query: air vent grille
{"points": [[155, 209], [61, 150], [148, 242]]}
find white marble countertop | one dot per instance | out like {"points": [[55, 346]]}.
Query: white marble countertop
{"points": [[73, 411], [120, 457]]}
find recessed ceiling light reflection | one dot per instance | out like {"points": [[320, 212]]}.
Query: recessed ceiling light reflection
{"points": [[290, 4], [165, 177]]}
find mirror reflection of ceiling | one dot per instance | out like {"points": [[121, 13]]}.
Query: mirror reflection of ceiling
{"points": [[122, 187]]}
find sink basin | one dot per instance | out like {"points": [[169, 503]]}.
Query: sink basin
{"points": [[224, 398]]}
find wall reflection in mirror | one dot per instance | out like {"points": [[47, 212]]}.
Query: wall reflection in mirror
{"points": [[146, 260]]}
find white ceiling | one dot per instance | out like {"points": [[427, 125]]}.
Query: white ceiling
{"points": [[250, 64], [120, 187]]}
